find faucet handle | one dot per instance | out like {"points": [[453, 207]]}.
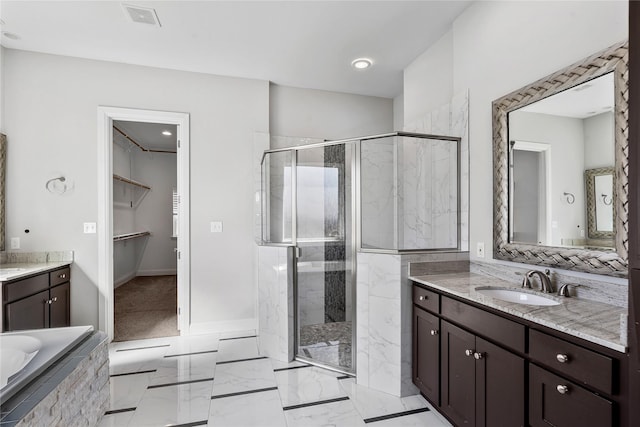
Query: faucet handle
{"points": [[563, 291]]}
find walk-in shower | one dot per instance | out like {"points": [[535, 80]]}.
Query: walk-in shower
{"points": [[388, 193]]}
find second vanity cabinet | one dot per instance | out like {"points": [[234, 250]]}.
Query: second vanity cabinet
{"points": [[40, 301], [486, 370]]}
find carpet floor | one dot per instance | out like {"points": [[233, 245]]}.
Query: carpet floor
{"points": [[145, 307]]}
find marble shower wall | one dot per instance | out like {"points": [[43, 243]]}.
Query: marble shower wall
{"points": [[275, 302], [383, 309], [450, 119]]}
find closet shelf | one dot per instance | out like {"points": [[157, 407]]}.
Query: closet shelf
{"points": [[128, 236], [131, 182]]}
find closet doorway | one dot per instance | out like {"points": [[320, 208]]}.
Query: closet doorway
{"points": [[144, 275], [145, 220]]}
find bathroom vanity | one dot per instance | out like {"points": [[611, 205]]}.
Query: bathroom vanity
{"points": [[483, 361], [35, 296]]}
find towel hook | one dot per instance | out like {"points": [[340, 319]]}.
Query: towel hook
{"points": [[56, 185], [605, 200], [570, 197]]}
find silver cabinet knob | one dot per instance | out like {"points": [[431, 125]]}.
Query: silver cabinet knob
{"points": [[562, 358], [422, 298], [54, 299], [562, 389], [434, 332], [469, 352], [62, 276], [478, 355]]}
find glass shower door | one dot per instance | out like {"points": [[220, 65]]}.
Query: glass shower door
{"points": [[324, 237]]}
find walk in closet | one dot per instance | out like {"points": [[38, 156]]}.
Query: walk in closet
{"points": [[144, 230]]}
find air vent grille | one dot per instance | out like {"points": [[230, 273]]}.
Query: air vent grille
{"points": [[141, 15]]}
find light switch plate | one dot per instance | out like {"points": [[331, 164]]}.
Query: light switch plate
{"points": [[89, 228], [15, 243], [216, 226]]}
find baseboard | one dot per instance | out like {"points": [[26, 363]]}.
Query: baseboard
{"points": [[226, 327], [159, 272], [123, 279]]}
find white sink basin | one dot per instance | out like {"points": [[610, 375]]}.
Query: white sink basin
{"points": [[517, 296]]}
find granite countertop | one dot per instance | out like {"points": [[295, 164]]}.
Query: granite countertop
{"points": [[13, 271], [596, 322]]}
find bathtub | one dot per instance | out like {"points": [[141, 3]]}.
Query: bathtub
{"points": [[26, 354]]}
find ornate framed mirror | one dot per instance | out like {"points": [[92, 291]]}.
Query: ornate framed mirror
{"points": [[554, 199]]}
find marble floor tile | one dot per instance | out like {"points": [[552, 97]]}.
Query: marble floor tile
{"points": [[335, 414], [243, 376], [121, 362], [121, 419], [184, 368], [308, 385], [262, 409], [371, 403], [236, 349], [177, 404], [127, 390], [193, 344], [277, 364], [423, 419]]}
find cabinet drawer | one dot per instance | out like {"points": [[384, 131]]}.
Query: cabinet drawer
{"points": [[507, 333], [585, 366], [426, 299], [60, 276], [23, 288], [557, 402]]}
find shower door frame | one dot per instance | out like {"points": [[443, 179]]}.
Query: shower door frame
{"points": [[356, 232]]}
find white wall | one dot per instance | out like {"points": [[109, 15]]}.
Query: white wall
{"points": [[155, 213], [321, 114], [51, 121], [497, 48], [428, 80]]}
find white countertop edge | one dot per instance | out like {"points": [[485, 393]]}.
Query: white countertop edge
{"points": [[613, 345], [30, 269]]}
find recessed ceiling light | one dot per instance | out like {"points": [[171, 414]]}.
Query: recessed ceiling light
{"points": [[166, 133], [361, 63], [11, 36]]}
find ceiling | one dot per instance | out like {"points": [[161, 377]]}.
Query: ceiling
{"points": [[308, 44]]}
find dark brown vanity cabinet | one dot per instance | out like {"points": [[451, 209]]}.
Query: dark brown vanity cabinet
{"points": [[483, 385], [484, 370], [41, 301]]}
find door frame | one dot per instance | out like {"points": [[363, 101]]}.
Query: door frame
{"points": [[106, 116]]}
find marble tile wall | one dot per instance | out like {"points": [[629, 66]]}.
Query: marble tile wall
{"points": [[592, 287], [449, 119], [275, 303], [383, 310], [35, 257]]}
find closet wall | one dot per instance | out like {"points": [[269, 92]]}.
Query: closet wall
{"points": [[136, 209]]}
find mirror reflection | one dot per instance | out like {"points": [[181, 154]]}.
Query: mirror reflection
{"points": [[554, 142]]}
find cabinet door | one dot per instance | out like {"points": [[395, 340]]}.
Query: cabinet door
{"points": [[28, 313], [500, 386], [458, 375], [60, 306], [426, 354], [557, 402]]}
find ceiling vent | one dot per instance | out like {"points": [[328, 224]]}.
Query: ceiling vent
{"points": [[141, 15]]}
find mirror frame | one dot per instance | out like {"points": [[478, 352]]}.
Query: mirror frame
{"points": [[590, 189], [613, 59]]}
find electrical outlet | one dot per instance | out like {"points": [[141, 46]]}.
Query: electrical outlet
{"points": [[216, 226], [15, 243], [89, 228], [480, 250]]}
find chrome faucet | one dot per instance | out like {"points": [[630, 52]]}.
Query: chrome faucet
{"points": [[545, 280]]}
